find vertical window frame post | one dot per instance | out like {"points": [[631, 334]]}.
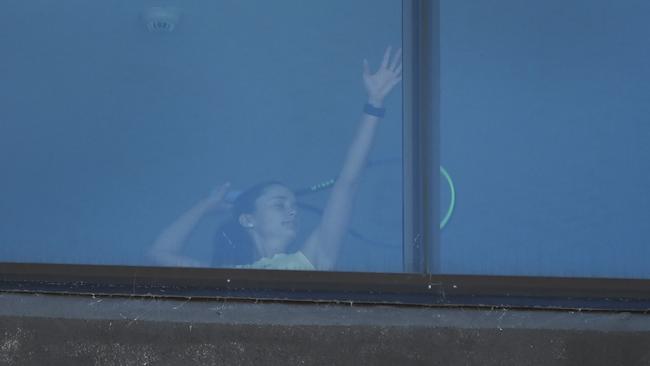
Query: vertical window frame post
{"points": [[421, 134]]}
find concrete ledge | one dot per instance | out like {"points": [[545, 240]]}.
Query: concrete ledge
{"points": [[80, 330]]}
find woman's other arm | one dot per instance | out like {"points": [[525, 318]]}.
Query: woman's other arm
{"points": [[167, 247]]}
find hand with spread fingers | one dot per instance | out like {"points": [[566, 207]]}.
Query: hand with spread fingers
{"points": [[380, 84]]}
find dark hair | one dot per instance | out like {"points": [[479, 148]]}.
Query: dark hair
{"points": [[232, 243]]}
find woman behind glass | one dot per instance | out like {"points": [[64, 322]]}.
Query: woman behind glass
{"points": [[264, 218]]}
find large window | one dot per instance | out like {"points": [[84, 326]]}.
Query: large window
{"points": [[454, 141]]}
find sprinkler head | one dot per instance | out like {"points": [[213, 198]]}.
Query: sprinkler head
{"points": [[161, 19]]}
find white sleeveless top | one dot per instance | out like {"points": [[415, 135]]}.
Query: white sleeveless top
{"points": [[295, 261]]}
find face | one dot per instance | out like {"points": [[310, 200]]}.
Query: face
{"points": [[275, 217]]}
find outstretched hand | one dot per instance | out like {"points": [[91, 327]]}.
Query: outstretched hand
{"points": [[379, 84]]}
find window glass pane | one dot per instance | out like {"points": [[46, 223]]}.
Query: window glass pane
{"points": [[119, 119], [545, 133]]}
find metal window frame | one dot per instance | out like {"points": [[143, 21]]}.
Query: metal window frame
{"points": [[420, 135], [421, 130], [631, 295]]}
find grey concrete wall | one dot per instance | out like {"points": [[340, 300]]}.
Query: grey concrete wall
{"points": [[86, 330]]}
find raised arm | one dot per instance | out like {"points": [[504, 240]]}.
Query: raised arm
{"points": [[167, 247], [323, 245]]}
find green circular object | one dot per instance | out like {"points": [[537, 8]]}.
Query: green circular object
{"points": [[452, 200]]}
